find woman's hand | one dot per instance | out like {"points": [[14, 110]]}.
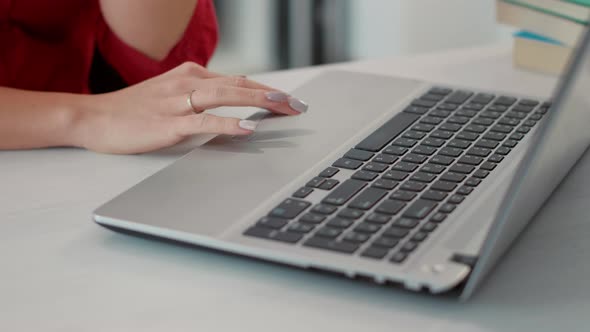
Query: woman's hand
{"points": [[168, 108]]}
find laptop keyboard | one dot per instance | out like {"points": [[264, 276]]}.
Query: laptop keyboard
{"points": [[409, 175]]}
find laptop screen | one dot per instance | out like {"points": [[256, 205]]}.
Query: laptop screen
{"points": [[555, 148]]}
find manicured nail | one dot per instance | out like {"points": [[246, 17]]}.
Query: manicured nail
{"points": [[298, 105], [248, 125], [277, 96]]}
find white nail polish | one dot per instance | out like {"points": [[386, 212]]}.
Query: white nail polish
{"points": [[248, 125], [276, 96], [298, 105]]}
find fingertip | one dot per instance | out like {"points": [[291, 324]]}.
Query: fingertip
{"points": [[248, 125]]}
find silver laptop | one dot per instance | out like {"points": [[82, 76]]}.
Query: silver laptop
{"points": [[386, 179]]}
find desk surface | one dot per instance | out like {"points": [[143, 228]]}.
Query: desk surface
{"points": [[61, 272]]}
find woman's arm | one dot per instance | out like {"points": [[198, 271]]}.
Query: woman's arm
{"points": [[147, 116], [153, 27]]}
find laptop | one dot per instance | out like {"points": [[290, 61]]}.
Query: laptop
{"points": [[385, 179]]}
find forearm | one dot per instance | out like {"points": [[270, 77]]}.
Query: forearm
{"points": [[37, 119], [153, 27]]}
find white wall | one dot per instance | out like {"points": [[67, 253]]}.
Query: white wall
{"points": [[388, 27]]}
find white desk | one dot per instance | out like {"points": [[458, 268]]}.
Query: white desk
{"points": [[61, 272]]}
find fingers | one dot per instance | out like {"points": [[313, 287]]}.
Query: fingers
{"points": [[238, 82], [275, 101], [211, 124]]}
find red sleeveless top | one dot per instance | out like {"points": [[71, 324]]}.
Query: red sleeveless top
{"points": [[50, 45]]}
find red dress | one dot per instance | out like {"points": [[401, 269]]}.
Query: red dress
{"points": [[50, 45]]}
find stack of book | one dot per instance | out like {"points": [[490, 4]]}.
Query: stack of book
{"points": [[550, 30]]}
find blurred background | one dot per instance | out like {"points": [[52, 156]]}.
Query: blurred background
{"points": [[265, 35]]}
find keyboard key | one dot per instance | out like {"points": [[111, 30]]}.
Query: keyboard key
{"points": [[453, 177], [479, 152], [444, 186], [395, 175], [398, 257], [413, 186], [438, 217], [384, 184], [496, 158], [368, 198], [481, 121], [468, 136], [406, 223], [450, 152], [395, 150], [528, 102], [485, 143], [503, 150], [416, 109], [442, 160], [453, 127], [522, 108], [414, 134], [459, 97], [447, 208], [344, 192], [434, 142], [404, 167], [365, 175], [504, 100], [459, 144], [423, 177], [464, 190], [461, 120], [378, 218], [302, 192], [472, 182], [465, 113], [402, 195], [289, 208], [488, 166], [343, 247], [375, 167], [385, 159], [494, 136], [385, 242], [423, 127], [524, 129], [461, 168], [301, 228], [329, 184], [491, 115], [420, 209], [431, 120], [359, 155], [419, 236], [471, 160], [414, 158], [315, 182], [483, 98], [312, 218], [268, 233], [440, 113], [442, 134], [439, 91], [434, 195], [356, 237], [510, 143], [350, 214], [390, 207], [432, 168], [386, 133], [481, 173], [328, 232], [409, 246], [339, 223], [347, 163], [324, 209], [274, 223], [405, 142], [456, 199], [329, 172], [509, 121], [447, 107], [516, 115], [396, 232], [424, 150], [502, 129], [429, 227], [374, 252], [475, 128], [367, 228]]}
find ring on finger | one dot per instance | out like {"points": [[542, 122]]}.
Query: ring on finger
{"points": [[189, 101]]}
